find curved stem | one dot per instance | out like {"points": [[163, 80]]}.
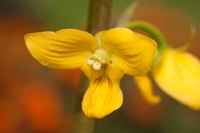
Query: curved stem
{"points": [[151, 29], [154, 32]]}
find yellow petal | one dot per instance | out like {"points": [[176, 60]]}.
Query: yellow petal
{"points": [[178, 74], [130, 51], [102, 97], [145, 86], [67, 48]]}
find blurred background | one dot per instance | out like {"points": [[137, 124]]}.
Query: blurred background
{"points": [[36, 99]]}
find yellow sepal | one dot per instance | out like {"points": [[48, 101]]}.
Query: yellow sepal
{"points": [[145, 86], [130, 51], [64, 49]]}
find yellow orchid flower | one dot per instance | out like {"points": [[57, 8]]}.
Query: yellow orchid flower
{"points": [[178, 74], [104, 59], [176, 71]]}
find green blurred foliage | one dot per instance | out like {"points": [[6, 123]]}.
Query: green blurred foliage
{"points": [[73, 13], [62, 13], [190, 6], [67, 13]]}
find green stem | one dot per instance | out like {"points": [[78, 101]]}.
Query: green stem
{"points": [[152, 30], [99, 15], [98, 19]]}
